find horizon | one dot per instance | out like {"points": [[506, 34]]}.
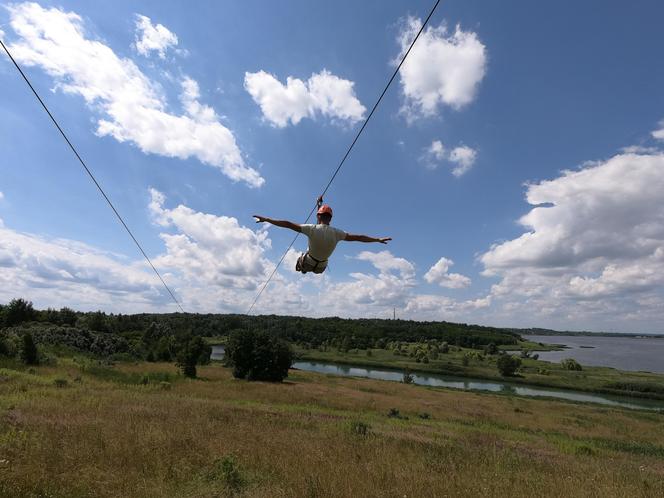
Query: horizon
{"points": [[519, 172]]}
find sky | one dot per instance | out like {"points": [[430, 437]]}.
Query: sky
{"points": [[517, 160]]}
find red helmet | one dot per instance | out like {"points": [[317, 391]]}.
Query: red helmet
{"points": [[325, 209]]}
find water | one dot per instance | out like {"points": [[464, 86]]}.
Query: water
{"points": [[623, 353], [467, 383]]}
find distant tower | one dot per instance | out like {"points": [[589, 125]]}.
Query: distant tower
{"points": [[394, 314]]}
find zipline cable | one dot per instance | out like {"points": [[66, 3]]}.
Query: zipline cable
{"points": [[92, 177], [343, 160]]}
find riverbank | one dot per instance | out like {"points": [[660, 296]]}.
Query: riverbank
{"points": [[601, 380], [141, 430]]}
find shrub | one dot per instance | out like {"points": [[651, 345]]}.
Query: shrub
{"points": [[571, 364], [424, 415], [407, 377], [491, 348], [257, 355], [508, 365], [359, 428], [29, 353], [60, 383], [228, 472], [444, 348], [465, 360]]}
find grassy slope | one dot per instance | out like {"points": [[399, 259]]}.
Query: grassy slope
{"points": [[592, 379], [105, 438]]}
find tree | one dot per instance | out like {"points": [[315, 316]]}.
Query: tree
{"points": [[257, 355], [67, 316], [29, 353], [508, 365], [190, 349], [18, 311]]}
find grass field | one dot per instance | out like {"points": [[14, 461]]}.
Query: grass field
{"points": [[534, 372], [140, 430]]}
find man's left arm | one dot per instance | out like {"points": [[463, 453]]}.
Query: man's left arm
{"points": [[365, 238]]}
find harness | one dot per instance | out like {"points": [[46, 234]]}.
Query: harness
{"points": [[318, 262]]}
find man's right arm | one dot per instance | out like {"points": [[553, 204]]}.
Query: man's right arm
{"points": [[280, 223]]}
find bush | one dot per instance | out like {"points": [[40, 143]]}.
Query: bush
{"points": [[407, 377], [359, 428], [60, 383], [228, 472], [29, 353], [571, 364], [257, 355], [508, 365]]}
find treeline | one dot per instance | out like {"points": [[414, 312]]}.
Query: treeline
{"points": [[155, 336]]}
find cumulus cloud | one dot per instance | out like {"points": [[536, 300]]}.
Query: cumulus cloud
{"points": [[433, 154], [209, 248], [463, 157], [151, 38], [391, 287], [659, 134], [61, 272], [439, 274], [323, 93], [132, 106], [596, 251], [442, 69], [2, 196]]}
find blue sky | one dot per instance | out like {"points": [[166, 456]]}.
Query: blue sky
{"points": [[517, 161]]}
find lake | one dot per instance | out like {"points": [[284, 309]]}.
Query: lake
{"points": [[623, 353], [467, 383]]}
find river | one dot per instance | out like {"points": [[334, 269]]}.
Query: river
{"points": [[624, 353], [468, 383]]}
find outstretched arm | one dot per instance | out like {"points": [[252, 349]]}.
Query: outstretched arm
{"points": [[279, 223], [365, 238]]}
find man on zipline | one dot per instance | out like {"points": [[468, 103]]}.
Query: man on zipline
{"points": [[323, 238]]}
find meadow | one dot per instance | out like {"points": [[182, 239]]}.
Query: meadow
{"points": [[82, 428]]}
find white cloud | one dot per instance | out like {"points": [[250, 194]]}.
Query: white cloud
{"points": [[59, 272], [2, 196], [659, 134], [596, 254], [464, 157], [433, 154], [151, 38], [132, 106], [438, 274], [209, 248], [323, 93], [441, 69], [391, 287]]}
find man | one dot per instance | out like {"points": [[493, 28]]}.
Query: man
{"points": [[323, 238]]}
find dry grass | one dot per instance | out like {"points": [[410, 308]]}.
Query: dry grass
{"points": [[103, 438]]}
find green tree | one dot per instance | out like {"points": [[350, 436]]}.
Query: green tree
{"points": [[508, 365], [190, 349], [29, 353], [258, 355], [18, 311], [67, 316]]}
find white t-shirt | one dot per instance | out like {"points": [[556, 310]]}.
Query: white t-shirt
{"points": [[322, 239]]}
